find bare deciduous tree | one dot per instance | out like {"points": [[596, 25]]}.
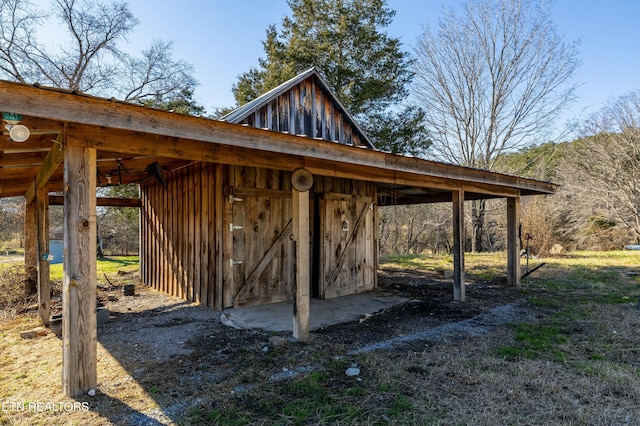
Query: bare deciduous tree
{"points": [[602, 172], [90, 59], [415, 228], [490, 80]]}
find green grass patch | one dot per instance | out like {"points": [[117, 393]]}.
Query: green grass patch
{"points": [[534, 341], [422, 262], [107, 265], [586, 270], [614, 299], [400, 406], [317, 398]]}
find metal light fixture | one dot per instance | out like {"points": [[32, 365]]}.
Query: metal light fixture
{"points": [[17, 132]]}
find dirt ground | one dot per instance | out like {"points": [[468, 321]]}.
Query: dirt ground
{"points": [[161, 359]]}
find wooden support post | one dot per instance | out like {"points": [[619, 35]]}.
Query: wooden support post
{"points": [[513, 241], [44, 279], [300, 210], [219, 217], [458, 246], [30, 248], [79, 335]]}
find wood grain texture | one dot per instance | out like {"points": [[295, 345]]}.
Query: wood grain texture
{"points": [[458, 246], [179, 235], [79, 337], [44, 278], [513, 241], [300, 213], [348, 250], [30, 248], [51, 163]]}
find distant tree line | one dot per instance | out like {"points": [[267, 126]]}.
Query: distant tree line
{"points": [[596, 207]]}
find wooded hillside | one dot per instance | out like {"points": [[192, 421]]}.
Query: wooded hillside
{"points": [[597, 206]]}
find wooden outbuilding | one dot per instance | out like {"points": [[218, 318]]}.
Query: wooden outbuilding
{"points": [[278, 202]]}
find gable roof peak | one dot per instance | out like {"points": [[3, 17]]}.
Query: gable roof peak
{"points": [[351, 134]]}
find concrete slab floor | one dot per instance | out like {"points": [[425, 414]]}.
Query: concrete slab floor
{"points": [[322, 313]]}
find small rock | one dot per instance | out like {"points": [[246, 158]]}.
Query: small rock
{"points": [[92, 392], [353, 371], [28, 334], [111, 297]]}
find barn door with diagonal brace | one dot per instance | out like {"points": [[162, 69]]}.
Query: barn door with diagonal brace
{"points": [[260, 256], [347, 257]]}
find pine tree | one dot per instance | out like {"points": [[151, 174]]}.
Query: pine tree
{"points": [[346, 41]]}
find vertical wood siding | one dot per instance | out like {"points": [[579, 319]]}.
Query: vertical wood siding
{"points": [[305, 110], [178, 238], [348, 237], [221, 235], [258, 248]]}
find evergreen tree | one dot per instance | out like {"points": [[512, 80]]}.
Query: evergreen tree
{"points": [[345, 40]]}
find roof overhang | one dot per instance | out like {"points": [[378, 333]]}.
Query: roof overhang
{"points": [[130, 137]]}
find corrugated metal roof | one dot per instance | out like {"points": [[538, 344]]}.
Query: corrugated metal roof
{"points": [[238, 115]]}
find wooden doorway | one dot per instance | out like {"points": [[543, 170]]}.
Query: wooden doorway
{"points": [[347, 249], [259, 257]]}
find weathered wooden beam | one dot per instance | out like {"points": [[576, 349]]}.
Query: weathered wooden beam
{"points": [[444, 197], [353, 163], [30, 248], [513, 241], [44, 279], [300, 211], [458, 246], [109, 115], [34, 142], [154, 145], [79, 334], [58, 200], [26, 158], [51, 163], [19, 187]]}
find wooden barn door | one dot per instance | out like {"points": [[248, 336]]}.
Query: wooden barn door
{"points": [[259, 254], [347, 252]]}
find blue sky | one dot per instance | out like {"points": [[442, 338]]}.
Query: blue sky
{"points": [[222, 39]]}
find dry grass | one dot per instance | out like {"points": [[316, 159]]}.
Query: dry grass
{"points": [[573, 362], [13, 299]]}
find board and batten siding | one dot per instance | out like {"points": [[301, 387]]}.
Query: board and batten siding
{"points": [[348, 239], [222, 235], [179, 239], [259, 256], [305, 110]]}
